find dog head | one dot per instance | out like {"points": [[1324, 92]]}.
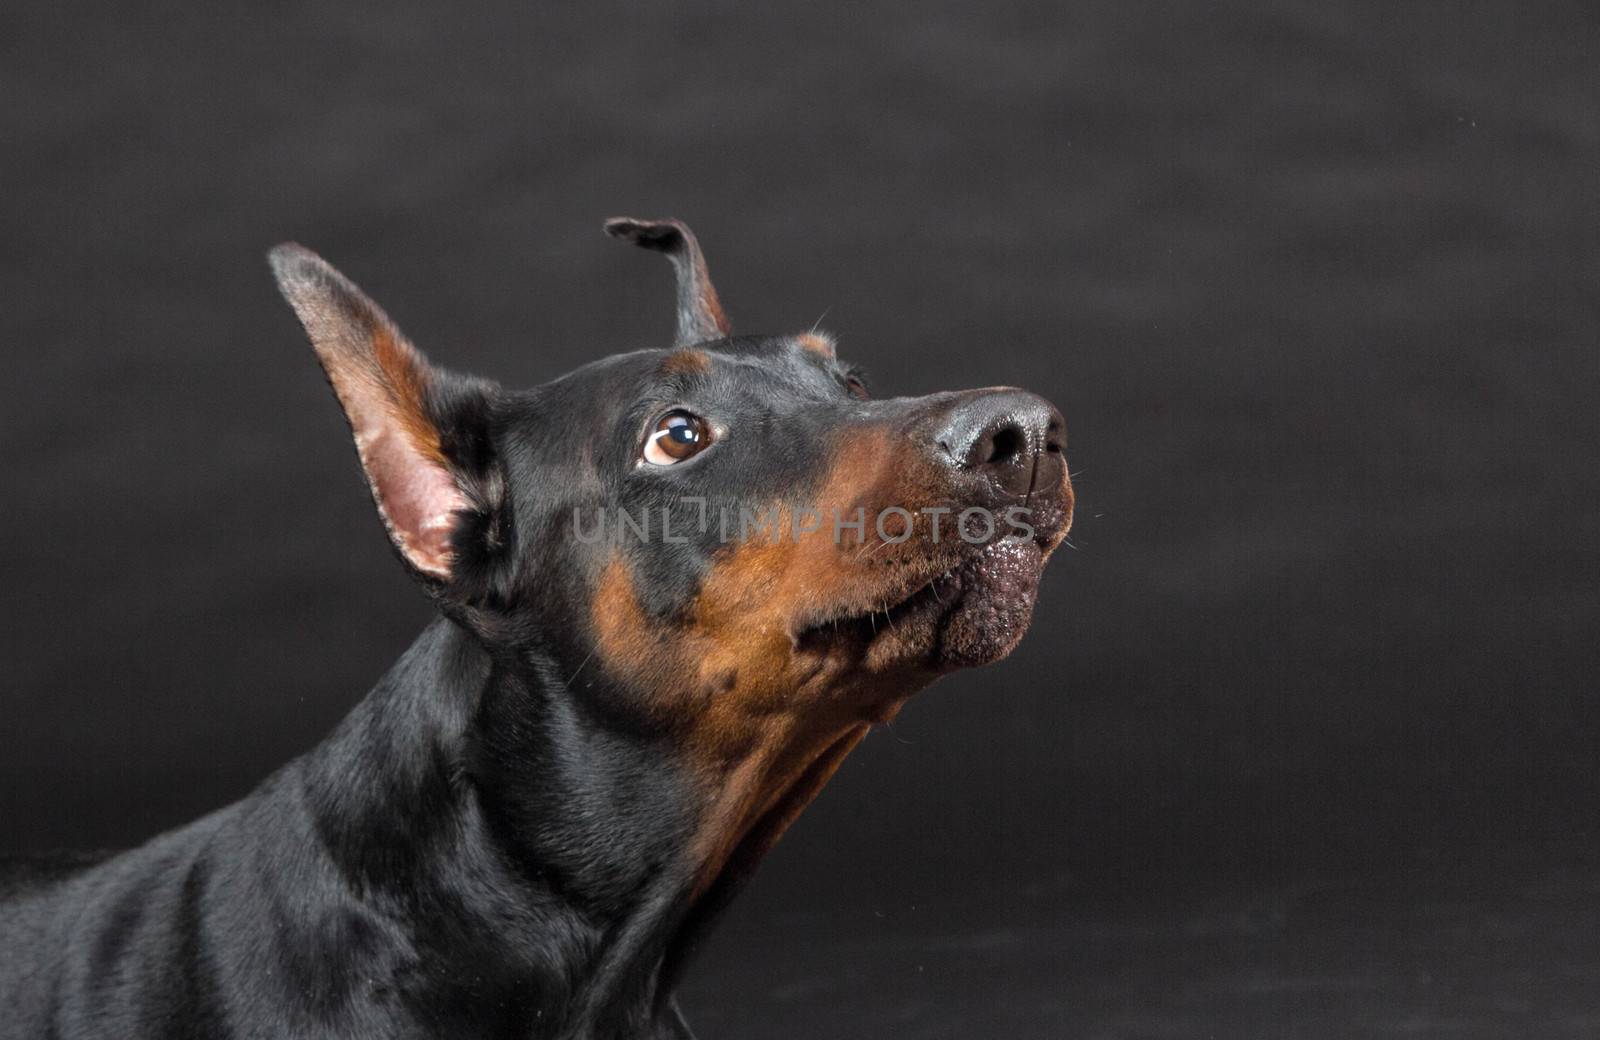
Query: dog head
{"points": [[728, 541]]}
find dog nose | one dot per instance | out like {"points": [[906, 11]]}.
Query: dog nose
{"points": [[1015, 439]]}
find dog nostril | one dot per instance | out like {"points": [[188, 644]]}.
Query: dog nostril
{"points": [[1005, 444], [1010, 437], [1055, 437]]}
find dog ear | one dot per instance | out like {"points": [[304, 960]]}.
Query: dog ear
{"points": [[700, 314], [422, 433]]}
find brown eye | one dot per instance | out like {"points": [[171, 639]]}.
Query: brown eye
{"points": [[856, 388], [678, 436]]}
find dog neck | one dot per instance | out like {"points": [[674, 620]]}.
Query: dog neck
{"points": [[531, 860]]}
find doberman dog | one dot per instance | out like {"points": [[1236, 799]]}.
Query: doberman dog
{"points": [[675, 588]]}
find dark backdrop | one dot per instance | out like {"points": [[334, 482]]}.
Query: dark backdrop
{"points": [[1314, 283]]}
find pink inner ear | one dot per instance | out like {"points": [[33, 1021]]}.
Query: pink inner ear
{"points": [[417, 496]]}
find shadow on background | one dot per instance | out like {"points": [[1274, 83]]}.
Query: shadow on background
{"points": [[1303, 740]]}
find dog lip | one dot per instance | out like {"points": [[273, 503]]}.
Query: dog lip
{"points": [[932, 585], [851, 614], [850, 618]]}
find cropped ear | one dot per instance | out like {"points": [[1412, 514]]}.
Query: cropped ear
{"points": [[700, 314], [422, 434]]}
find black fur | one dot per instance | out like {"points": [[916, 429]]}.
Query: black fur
{"points": [[493, 843]]}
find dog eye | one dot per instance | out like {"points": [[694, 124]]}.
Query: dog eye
{"points": [[857, 388], [678, 436]]}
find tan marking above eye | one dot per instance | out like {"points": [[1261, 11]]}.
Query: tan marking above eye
{"points": [[685, 362], [677, 436], [818, 343]]}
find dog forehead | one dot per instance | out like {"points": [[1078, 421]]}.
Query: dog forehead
{"points": [[805, 361], [764, 366]]}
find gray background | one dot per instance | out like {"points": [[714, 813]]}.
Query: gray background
{"points": [[1304, 739]]}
